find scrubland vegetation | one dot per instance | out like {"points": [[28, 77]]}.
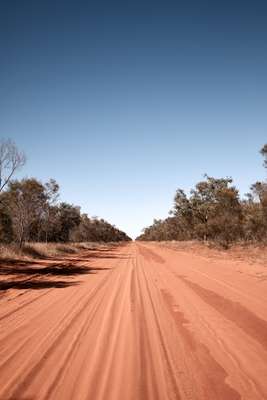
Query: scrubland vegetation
{"points": [[30, 211], [215, 212], [40, 250]]}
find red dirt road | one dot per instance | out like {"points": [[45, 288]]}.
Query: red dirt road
{"points": [[135, 322]]}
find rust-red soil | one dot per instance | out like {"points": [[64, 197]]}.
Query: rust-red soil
{"points": [[134, 322]]}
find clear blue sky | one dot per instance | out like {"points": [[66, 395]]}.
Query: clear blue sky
{"points": [[123, 102]]}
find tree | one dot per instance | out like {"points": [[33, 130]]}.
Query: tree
{"points": [[96, 230], [26, 201], [255, 208], [254, 223], [11, 159], [67, 217], [264, 153], [212, 211], [183, 213], [6, 229], [52, 195], [216, 209]]}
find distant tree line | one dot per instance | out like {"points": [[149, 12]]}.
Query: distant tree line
{"points": [[214, 211], [30, 210]]}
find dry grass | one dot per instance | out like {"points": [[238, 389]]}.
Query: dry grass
{"points": [[251, 253], [43, 250]]}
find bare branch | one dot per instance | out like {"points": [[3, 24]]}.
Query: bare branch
{"points": [[11, 160]]}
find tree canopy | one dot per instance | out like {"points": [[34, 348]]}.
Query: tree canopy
{"points": [[214, 211]]}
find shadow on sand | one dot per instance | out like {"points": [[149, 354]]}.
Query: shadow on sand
{"points": [[34, 284], [28, 276], [42, 273]]}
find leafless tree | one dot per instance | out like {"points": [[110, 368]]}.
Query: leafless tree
{"points": [[11, 159]]}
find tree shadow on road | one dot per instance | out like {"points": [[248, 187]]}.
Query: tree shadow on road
{"points": [[30, 276], [19, 398], [34, 284], [42, 273], [55, 269]]}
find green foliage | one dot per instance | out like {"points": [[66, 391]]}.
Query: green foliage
{"points": [[97, 230], [25, 202], [67, 217], [6, 230], [29, 211], [214, 211]]}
